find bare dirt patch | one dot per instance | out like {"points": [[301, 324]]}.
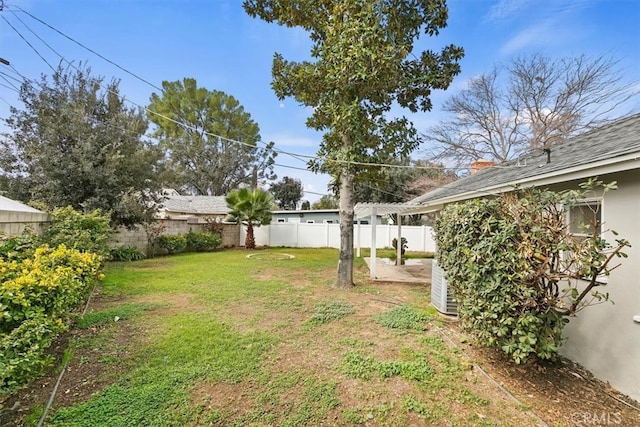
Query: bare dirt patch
{"points": [[561, 393]]}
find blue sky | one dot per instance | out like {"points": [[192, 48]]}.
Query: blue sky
{"points": [[215, 42]]}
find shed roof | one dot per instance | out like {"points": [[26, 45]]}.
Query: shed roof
{"points": [[610, 148], [212, 205], [10, 205]]}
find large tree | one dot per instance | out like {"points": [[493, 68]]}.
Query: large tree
{"points": [[325, 202], [252, 207], [287, 192], [532, 102], [405, 180], [363, 64], [210, 140], [76, 143]]}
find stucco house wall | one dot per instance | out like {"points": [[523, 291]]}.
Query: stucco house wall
{"points": [[605, 338]]}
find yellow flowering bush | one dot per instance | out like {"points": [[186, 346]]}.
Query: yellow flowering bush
{"points": [[37, 297]]}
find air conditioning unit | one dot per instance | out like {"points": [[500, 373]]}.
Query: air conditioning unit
{"points": [[441, 298]]}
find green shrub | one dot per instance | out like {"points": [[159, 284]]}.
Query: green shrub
{"points": [[24, 350], [18, 247], [86, 232], [37, 298], [173, 243], [515, 268], [202, 242], [125, 253]]}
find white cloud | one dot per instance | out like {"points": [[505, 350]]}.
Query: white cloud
{"points": [[539, 34], [506, 9]]}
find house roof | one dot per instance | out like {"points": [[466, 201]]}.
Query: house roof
{"points": [[211, 205], [611, 148], [10, 205]]}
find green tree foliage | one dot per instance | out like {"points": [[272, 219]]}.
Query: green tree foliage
{"points": [[287, 192], [77, 144], [210, 140], [363, 64], [252, 208], [325, 202], [85, 232], [412, 178], [517, 271]]}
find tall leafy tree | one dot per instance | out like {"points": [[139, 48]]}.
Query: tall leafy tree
{"points": [[532, 102], [362, 64], [287, 192], [407, 180], [252, 207], [325, 202], [75, 143], [210, 140]]}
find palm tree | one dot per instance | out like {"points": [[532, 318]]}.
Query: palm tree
{"points": [[251, 207]]}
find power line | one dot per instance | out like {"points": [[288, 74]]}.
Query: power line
{"points": [[37, 36], [11, 85], [27, 42], [298, 156], [13, 88], [87, 48]]}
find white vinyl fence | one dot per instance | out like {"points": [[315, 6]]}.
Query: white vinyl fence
{"points": [[301, 235]]}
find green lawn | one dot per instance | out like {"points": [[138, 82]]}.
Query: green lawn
{"points": [[222, 339]]}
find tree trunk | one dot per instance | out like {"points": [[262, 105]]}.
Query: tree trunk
{"points": [[345, 261], [250, 240]]}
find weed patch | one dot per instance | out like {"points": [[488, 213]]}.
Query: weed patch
{"points": [[326, 312], [404, 318], [363, 367]]}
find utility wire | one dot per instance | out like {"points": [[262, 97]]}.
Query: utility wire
{"points": [[36, 35], [297, 156], [87, 48], [27, 42], [11, 77], [10, 87], [9, 84]]}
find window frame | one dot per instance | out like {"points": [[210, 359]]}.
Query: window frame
{"points": [[599, 201]]}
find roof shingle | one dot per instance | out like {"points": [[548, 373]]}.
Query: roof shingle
{"points": [[607, 143]]}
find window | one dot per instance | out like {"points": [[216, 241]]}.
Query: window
{"points": [[281, 220], [583, 217]]}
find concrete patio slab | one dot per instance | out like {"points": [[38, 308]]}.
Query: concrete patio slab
{"points": [[414, 270]]}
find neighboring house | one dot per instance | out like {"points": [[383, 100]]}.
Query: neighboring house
{"points": [[319, 216], [193, 208], [605, 338], [16, 216]]}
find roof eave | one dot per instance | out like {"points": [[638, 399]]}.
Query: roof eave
{"points": [[604, 167]]}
